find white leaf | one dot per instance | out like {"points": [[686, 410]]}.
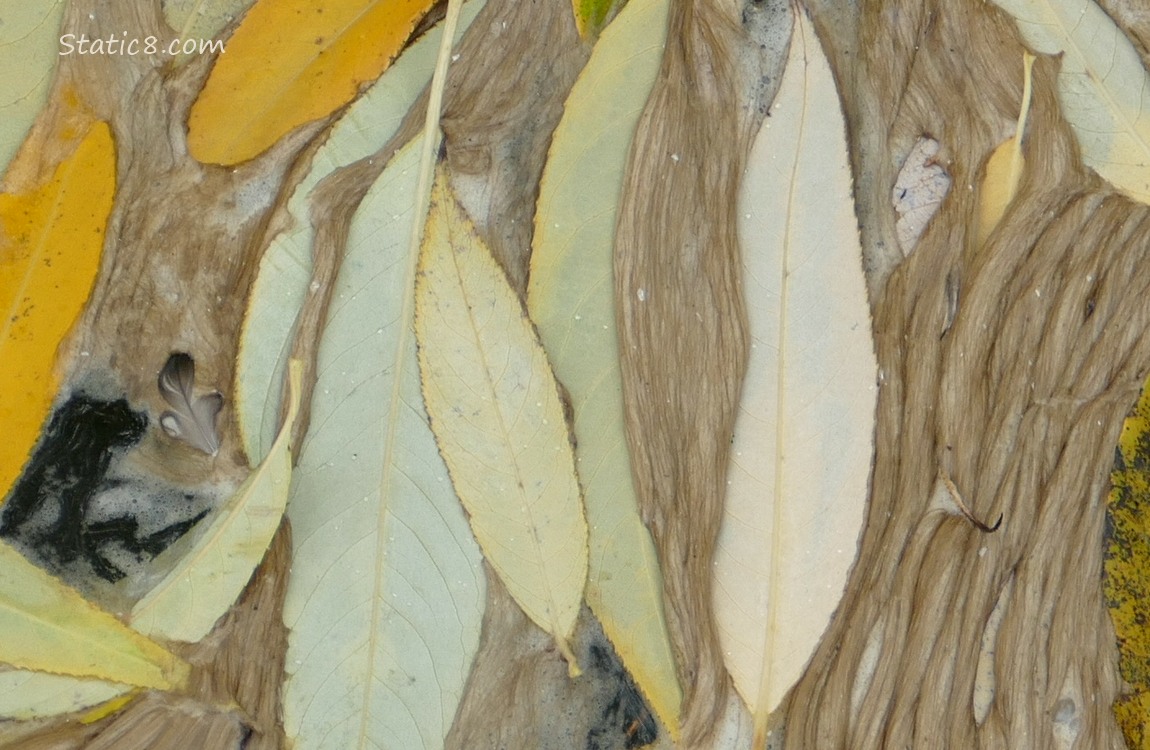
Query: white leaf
{"points": [[285, 270], [571, 299], [803, 439], [32, 695], [387, 590], [210, 576], [1103, 88]]}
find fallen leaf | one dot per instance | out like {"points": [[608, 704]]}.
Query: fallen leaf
{"points": [[286, 266], [291, 62], [591, 16], [51, 239], [1127, 570], [1004, 167], [49, 627], [201, 19], [210, 576], [1103, 87], [33, 695], [498, 419], [802, 449], [918, 191], [571, 299], [387, 591], [28, 53]]}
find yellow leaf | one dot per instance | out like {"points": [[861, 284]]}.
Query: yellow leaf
{"points": [[291, 62], [803, 444], [29, 50], [571, 299], [1004, 168], [50, 243], [209, 578], [496, 413], [49, 627], [1103, 88], [1127, 569]]}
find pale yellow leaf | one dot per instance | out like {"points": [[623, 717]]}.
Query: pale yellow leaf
{"points": [[1004, 167], [33, 695], [387, 590], [499, 422], [29, 49], [802, 450], [571, 299], [210, 576], [286, 267], [49, 627], [1103, 88]]}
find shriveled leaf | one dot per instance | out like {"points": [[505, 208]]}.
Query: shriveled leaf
{"points": [[49, 627], [918, 191], [33, 695], [571, 299], [51, 239], [1127, 569], [1004, 168], [803, 439], [291, 62], [209, 578], [285, 270], [1103, 87], [387, 590], [29, 50], [201, 19], [498, 419]]}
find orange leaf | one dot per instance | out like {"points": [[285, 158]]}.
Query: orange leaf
{"points": [[50, 242], [290, 62]]}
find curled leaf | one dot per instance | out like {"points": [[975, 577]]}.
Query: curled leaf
{"points": [[193, 419]]}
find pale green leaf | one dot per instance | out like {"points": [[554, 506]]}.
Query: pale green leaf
{"points": [[33, 695], [210, 576], [29, 49], [1103, 87], [571, 300], [802, 452], [201, 20], [49, 627], [387, 590], [498, 419], [285, 270]]}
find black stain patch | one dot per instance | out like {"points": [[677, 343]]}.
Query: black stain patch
{"points": [[625, 720], [50, 512]]}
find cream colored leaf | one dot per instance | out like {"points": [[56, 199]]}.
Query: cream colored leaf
{"points": [[49, 627], [571, 299], [803, 438], [29, 49], [387, 590], [285, 270], [499, 422], [210, 576], [1004, 167], [1103, 87], [33, 695]]}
